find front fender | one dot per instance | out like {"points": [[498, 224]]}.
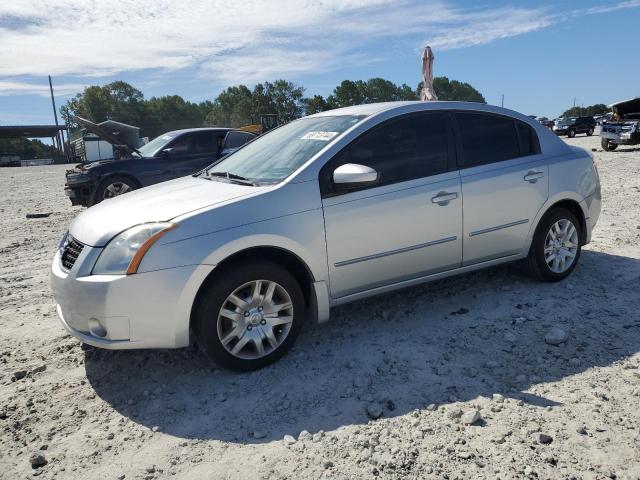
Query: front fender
{"points": [[301, 234]]}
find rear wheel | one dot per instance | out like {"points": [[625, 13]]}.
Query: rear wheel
{"points": [[607, 145], [114, 187], [249, 315], [556, 246], [571, 133], [590, 132]]}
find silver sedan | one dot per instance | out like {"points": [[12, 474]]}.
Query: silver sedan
{"points": [[325, 210]]}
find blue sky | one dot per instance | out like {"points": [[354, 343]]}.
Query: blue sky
{"points": [[540, 55]]}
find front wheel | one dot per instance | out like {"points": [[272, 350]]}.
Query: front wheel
{"points": [[114, 187], [589, 132], [249, 316], [571, 133], [556, 246], [608, 146]]}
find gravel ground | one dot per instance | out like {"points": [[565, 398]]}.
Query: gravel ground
{"points": [[454, 379]]}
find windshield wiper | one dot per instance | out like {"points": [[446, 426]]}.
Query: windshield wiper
{"points": [[233, 178]]}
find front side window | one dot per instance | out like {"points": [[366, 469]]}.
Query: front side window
{"points": [[195, 143], [277, 154], [486, 138], [407, 148]]}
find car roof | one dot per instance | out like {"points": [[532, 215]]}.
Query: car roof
{"points": [[200, 129], [371, 109]]}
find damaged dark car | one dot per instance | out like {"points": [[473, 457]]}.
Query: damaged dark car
{"points": [[170, 155], [623, 128]]}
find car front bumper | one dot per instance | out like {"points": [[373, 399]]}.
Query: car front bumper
{"points": [[80, 193], [623, 138], [145, 310]]}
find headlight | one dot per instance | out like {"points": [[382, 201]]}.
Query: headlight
{"points": [[63, 240], [123, 253], [77, 178]]}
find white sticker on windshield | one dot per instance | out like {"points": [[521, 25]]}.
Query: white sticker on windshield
{"points": [[167, 137], [324, 136]]}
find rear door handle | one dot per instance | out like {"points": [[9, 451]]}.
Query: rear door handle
{"points": [[533, 176], [443, 198]]}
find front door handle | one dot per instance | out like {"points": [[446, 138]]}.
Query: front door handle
{"points": [[533, 176], [443, 198]]}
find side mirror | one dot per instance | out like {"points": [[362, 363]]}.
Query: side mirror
{"points": [[166, 152], [354, 175]]}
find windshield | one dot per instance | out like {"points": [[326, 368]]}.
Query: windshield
{"points": [[566, 121], [157, 144], [274, 156]]}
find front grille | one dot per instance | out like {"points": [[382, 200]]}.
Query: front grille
{"points": [[70, 253]]}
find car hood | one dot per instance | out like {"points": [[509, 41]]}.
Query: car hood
{"points": [[84, 167], [101, 131], [627, 106], [158, 203]]}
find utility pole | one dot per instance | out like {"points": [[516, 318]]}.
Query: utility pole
{"points": [[59, 135], [502, 102], [574, 102]]}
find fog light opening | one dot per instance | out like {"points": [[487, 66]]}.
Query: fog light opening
{"points": [[96, 328]]}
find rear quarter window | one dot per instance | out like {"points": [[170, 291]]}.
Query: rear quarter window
{"points": [[528, 139]]}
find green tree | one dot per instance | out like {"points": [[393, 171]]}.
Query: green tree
{"points": [[172, 112], [453, 90], [237, 106], [373, 90], [26, 148], [590, 111], [233, 107], [284, 98], [346, 94], [117, 101], [316, 104]]}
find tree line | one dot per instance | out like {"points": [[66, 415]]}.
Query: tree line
{"points": [[240, 105], [590, 111], [26, 148]]}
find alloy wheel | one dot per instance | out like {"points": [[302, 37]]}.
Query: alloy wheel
{"points": [[561, 246], [255, 319], [115, 189]]}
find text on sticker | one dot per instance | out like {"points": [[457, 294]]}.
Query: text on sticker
{"points": [[324, 136]]}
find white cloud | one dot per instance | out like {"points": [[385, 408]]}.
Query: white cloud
{"points": [[230, 41], [26, 88]]}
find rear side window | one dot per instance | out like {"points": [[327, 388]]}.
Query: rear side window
{"points": [[203, 142], [407, 148], [195, 143], [486, 138], [237, 139]]}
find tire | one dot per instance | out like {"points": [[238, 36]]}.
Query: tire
{"points": [[243, 323], [542, 263], [590, 132], [571, 133], [608, 146], [114, 186]]}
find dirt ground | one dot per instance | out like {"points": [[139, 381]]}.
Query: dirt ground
{"points": [[426, 361]]}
